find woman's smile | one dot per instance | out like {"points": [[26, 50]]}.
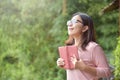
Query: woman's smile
{"points": [[70, 28]]}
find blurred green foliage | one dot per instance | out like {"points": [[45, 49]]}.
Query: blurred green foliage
{"points": [[31, 31], [117, 61]]}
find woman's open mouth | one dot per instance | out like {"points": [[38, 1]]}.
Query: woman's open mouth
{"points": [[70, 28]]}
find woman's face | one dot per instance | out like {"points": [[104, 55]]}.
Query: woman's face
{"points": [[75, 26]]}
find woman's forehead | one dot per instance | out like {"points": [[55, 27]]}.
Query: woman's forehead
{"points": [[76, 17]]}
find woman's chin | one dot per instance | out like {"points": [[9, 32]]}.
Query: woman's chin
{"points": [[70, 33]]}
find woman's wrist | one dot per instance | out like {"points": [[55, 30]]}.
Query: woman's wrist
{"points": [[79, 66]]}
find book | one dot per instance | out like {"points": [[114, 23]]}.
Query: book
{"points": [[66, 52]]}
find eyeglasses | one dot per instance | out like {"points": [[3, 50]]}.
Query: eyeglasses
{"points": [[73, 21]]}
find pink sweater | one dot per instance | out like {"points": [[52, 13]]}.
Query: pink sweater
{"points": [[93, 56]]}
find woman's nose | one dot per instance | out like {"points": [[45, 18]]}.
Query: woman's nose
{"points": [[69, 24]]}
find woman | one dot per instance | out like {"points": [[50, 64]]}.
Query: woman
{"points": [[92, 63]]}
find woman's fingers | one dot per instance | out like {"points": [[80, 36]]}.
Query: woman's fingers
{"points": [[60, 62], [74, 59]]}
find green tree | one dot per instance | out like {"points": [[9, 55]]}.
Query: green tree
{"points": [[32, 30]]}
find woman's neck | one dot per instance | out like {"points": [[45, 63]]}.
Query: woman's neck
{"points": [[77, 40]]}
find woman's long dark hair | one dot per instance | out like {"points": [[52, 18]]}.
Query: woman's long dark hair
{"points": [[88, 35]]}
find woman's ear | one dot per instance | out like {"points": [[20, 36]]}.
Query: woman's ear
{"points": [[85, 28]]}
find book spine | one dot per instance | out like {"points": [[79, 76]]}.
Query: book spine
{"points": [[68, 59]]}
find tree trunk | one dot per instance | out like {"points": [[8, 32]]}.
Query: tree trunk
{"points": [[64, 7], [119, 18]]}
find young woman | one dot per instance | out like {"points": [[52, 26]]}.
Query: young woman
{"points": [[92, 63]]}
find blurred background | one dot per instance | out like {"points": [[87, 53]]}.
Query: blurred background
{"points": [[32, 30]]}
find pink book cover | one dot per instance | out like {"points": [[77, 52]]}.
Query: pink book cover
{"points": [[66, 52]]}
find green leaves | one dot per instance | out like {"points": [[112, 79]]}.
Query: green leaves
{"points": [[117, 61], [32, 30]]}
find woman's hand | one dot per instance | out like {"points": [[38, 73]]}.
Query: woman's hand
{"points": [[78, 64], [60, 62]]}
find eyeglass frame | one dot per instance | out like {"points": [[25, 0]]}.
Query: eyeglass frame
{"points": [[73, 21]]}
